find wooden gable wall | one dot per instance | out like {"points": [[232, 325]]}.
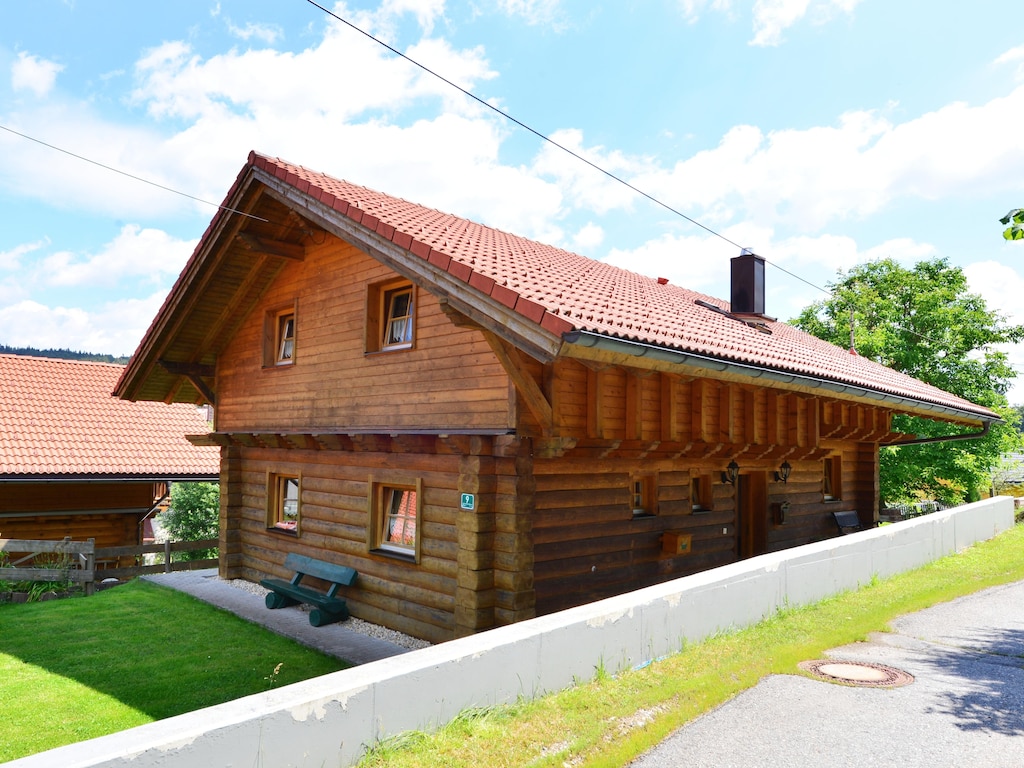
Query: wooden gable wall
{"points": [[450, 378]]}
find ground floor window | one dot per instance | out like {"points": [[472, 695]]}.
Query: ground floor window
{"points": [[395, 518], [832, 479], [700, 493], [283, 508], [642, 493]]}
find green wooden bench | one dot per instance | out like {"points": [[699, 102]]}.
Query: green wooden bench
{"points": [[327, 607]]}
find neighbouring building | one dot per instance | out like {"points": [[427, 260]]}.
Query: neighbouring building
{"points": [[77, 462]]}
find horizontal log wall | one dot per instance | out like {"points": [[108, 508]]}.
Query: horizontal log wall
{"points": [[475, 566], [450, 378], [75, 497], [589, 545], [109, 530]]}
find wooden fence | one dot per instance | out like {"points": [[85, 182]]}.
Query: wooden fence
{"points": [[83, 563]]}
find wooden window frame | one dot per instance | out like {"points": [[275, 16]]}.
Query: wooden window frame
{"points": [[277, 496], [701, 494], [643, 494], [274, 325], [380, 302], [832, 479], [380, 496]]}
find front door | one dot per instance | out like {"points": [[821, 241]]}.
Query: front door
{"points": [[752, 514]]}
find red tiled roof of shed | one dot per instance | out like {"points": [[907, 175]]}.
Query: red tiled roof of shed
{"points": [[58, 419], [563, 291]]}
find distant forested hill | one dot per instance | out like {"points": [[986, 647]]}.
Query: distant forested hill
{"points": [[62, 354]]}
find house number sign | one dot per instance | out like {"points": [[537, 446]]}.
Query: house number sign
{"points": [[468, 501]]}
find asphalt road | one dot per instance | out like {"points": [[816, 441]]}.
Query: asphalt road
{"points": [[965, 707]]}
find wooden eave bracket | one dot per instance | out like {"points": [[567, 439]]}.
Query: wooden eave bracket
{"points": [[510, 360], [272, 247], [195, 373]]}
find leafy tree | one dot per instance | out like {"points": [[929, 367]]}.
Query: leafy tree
{"points": [[1015, 220], [194, 515], [924, 322]]}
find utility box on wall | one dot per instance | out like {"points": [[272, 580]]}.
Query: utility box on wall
{"points": [[676, 543]]}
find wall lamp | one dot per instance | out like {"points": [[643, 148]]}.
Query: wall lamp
{"points": [[731, 473], [782, 475]]}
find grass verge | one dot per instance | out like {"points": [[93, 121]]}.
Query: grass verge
{"points": [[76, 669], [612, 720]]}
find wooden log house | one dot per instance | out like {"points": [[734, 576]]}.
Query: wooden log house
{"points": [[77, 462], [488, 428]]}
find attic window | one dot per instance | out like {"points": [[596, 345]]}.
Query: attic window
{"points": [[279, 337], [390, 322]]}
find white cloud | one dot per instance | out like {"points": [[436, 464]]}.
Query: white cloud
{"points": [[266, 33], [812, 177], [772, 17], [586, 187], [1013, 56], [534, 12], [427, 12], [31, 73], [115, 328], [587, 238], [1001, 287], [11, 260], [135, 253]]}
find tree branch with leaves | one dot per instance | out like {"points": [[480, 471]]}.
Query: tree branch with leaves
{"points": [[926, 323], [1015, 221]]}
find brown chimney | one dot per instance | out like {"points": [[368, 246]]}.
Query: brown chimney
{"points": [[747, 284]]}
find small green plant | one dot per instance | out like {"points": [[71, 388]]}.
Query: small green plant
{"points": [[6, 585], [273, 675]]}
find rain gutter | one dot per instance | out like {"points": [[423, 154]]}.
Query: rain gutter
{"points": [[706, 362]]}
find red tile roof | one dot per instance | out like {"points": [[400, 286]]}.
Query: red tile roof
{"points": [[563, 291], [59, 419]]}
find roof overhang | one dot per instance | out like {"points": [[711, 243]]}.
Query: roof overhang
{"points": [[584, 345]]}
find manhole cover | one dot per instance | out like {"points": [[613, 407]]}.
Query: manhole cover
{"points": [[857, 673]]}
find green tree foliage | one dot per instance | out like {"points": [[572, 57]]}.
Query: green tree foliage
{"points": [[1015, 221], [924, 322], [194, 515]]}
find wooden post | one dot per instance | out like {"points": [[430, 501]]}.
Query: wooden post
{"points": [[90, 567], [167, 557]]}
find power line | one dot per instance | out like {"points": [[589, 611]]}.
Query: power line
{"points": [[129, 175], [554, 143]]}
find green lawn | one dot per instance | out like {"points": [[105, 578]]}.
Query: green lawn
{"points": [[85, 667]]}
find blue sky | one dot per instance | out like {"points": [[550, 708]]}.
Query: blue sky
{"points": [[819, 133]]}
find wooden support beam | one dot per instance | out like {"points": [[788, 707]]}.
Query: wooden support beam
{"points": [[194, 372], [272, 247], [670, 407], [771, 400], [751, 433], [595, 403], [525, 385], [634, 406], [795, 435], [700, 395], [813, 420], [726, 414]]}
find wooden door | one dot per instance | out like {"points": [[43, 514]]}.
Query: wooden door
{"points": [[752, 508]]}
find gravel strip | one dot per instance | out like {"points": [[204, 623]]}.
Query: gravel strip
{"points": [[356, 625]]}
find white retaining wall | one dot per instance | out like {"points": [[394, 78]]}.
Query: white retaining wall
{"points": [[328, 721]]}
